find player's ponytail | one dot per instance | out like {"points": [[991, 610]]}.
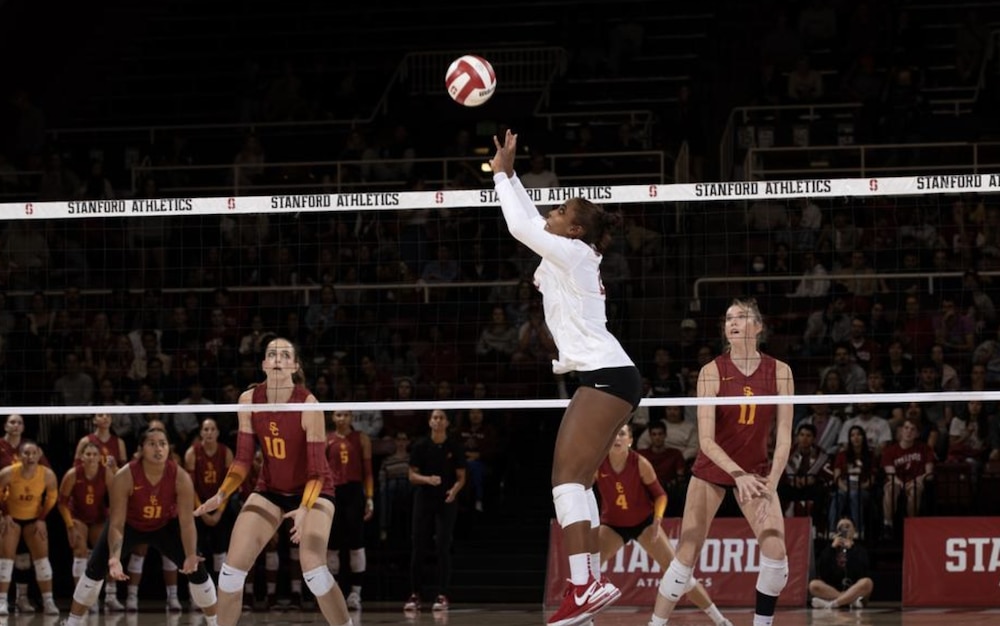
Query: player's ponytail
{"points": [[598, 225]]}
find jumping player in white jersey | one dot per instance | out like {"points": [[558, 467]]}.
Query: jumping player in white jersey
{"points": [[571, 240]]}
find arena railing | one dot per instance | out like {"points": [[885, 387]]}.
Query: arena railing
{"points": [[701, 284], [865, 160], [226, 179], [741, 117], [305, 290]]}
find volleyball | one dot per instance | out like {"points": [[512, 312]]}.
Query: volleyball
{"points": [[470, 80]]}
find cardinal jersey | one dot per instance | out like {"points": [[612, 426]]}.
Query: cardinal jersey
{"points": [[624, 499], [209, 470], [109, 448], [344, 456], [741, 430], [283, 441], [909, 463], [86, 500], [151, 506]]}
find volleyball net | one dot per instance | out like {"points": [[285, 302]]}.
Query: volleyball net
{"points": [[159, 301]]}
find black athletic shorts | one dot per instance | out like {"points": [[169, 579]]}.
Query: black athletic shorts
{"points": [[348, 530], [288, 501], [623, 382], [628, 533]]}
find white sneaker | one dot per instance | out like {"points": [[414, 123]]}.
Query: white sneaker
{"points": [[859, 603], [820, 603], [112, 604], [49, 607], [354, 601], [132, 604], [24, 605], [174, 605]]}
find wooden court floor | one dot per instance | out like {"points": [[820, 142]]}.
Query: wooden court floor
{"points": [[377, 614]]}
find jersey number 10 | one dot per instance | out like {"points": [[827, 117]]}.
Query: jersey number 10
{"points": [[275, 447]]}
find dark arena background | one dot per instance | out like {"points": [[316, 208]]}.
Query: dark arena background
{"points": [[181, 181]]}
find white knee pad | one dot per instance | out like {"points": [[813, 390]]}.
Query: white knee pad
{"points": [[674, 582], [293, 554], [79, 566], [319, 580], [22, 561], [595, 511], [43, 569], [217, 560], [773, 576], [135, 562], [168, 565], [6, 570], [203, 594], [333, 561], [358, 561], [87, 591], [571, 504], [231, 579], [271, 561]]}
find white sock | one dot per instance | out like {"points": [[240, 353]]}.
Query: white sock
{"points": [[21, 591], [714, 614], [658, 621], [133, 591], [595, 565], [579, 568], [356, 589], [212, 620], [297, 586], [762, 620], [47, 596], [171, 591], [272, 588], [75, 620]]}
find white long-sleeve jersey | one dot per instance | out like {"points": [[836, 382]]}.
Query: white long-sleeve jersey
{"points": [[569, 278]]}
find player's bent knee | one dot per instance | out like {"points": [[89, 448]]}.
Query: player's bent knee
{"points": [[135, 563], [203, 593], [87, 591], [168, 565], [6, 570], [675, 580], [43, 569], [231, 579], [319, 580], [359, 561], [570, 500], [773, 576]]}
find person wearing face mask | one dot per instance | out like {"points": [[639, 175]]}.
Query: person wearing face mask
{"points": [[843, 571]]}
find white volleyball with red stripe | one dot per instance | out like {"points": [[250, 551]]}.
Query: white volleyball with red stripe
{"points": [[470, 80]]}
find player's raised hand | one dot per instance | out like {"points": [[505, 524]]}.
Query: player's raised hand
{"points": [[503, 160]]}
